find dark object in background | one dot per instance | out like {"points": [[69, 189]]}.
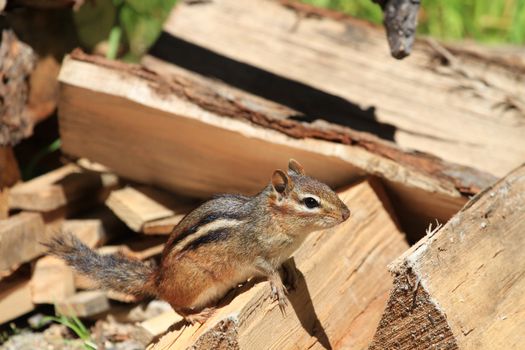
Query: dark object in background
{"points": [[17, 61], [400, 22]]}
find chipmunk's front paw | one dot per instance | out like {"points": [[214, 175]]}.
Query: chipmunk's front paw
{"points": [[279, 295]]}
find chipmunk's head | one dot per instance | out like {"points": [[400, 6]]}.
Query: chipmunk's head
{"points": [[307, 203]]}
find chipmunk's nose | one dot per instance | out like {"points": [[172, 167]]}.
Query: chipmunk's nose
{"points": [[346, 214]]}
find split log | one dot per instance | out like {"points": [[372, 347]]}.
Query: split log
{"points": [[162, 226], [464, 286], [58, 188], [52, 281], [9, 175], [143, 206], [9, 171], [342, 288], [199, 138], [83, 304], [19, 241], [15, 298], [464, 109], [156, 326], [96, 228]]}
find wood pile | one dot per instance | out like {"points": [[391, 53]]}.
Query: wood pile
{"points": [[217, 107]]}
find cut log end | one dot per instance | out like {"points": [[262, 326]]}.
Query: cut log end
{"points": [[412, 314]]}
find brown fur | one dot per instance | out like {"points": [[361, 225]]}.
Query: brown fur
{"points": [[219, 245]]}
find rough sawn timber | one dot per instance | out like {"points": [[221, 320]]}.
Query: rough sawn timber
{"points": [[141, 205], [342, 287], [181, 134], [464, 286], [58, 188], [20, 237], [465, 109]]}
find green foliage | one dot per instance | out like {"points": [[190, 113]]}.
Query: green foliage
{"points": [[29, 171], [358, 8], [133, 24], [498, 21], [74, 323]]}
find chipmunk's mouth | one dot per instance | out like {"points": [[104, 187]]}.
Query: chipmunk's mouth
{"points": [[335, 219]]}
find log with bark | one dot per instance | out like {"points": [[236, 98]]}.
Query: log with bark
{"points": [[463, 287], [198, 137], [468, 109], [17, 61]]}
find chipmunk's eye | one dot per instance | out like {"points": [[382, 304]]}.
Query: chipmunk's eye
{"points": [[310, 202]]}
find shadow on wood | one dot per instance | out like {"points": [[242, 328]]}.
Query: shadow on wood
{"points": [[312, 103], [305, 311]]}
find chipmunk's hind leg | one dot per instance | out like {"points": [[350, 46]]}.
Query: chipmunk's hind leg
{"points": [[192, 316]]}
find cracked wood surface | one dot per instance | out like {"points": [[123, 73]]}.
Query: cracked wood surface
{"points": [[465, 109], [342, 289], [464, 286], [190, 134]]}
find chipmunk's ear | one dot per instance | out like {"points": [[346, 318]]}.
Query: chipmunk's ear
{"points": [[295, 167], [281, 182]]}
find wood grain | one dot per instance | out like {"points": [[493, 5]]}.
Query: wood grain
{"points": [[15, 298], [182, 135], [140, 206], [464, 287], [342, 288], [52, 281], [461, 107], [83, 304], [57, 188], [20, 237]]}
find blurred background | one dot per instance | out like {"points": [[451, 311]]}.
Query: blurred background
{"points": [[133, 25]]}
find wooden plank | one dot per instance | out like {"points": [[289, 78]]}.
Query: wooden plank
{"points": [[4, 203], [52, 281], [343, 285], [138, 206], [464, 286], [83, 304], [19, 240], [9, 175], [9, 171], [15, 298], [58, 188], [337, 68], [156, 326], [95, 228], [162, 226], [147, 120]]}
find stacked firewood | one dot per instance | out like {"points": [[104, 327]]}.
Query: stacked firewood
{"points": [[217, 108]]}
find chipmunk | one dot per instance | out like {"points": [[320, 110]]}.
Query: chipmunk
{"points": [[222, 243]]}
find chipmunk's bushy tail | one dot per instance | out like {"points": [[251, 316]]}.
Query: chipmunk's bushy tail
{"points": [[113, 271]]}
